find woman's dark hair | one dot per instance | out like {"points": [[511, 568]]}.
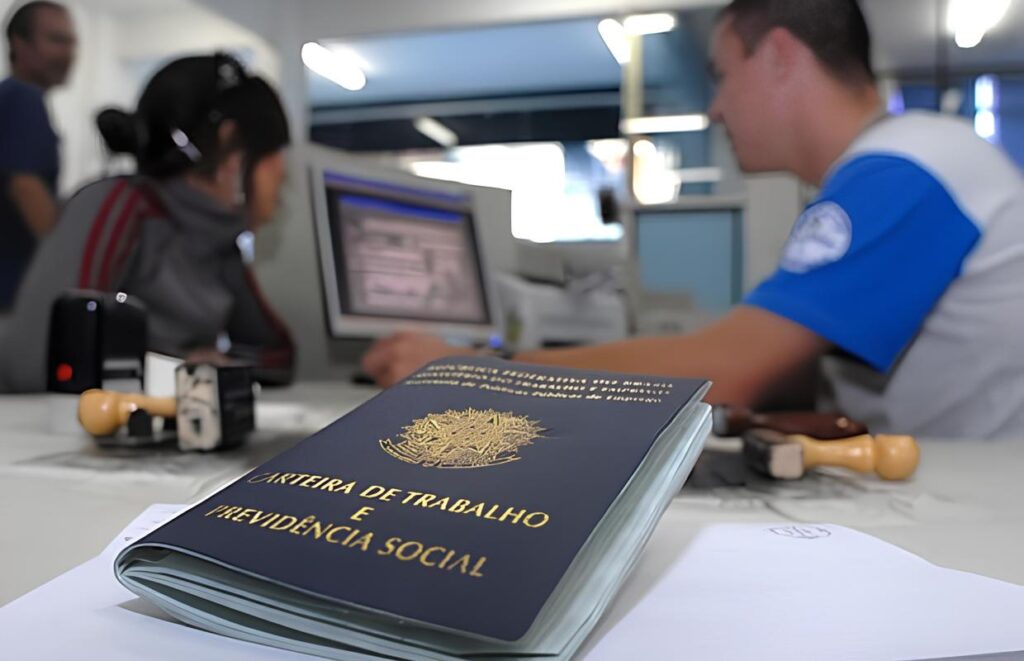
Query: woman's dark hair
{"points": [[176, 125]]}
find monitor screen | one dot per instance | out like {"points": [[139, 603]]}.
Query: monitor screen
{"points": [[399, 253], [697, 252]]}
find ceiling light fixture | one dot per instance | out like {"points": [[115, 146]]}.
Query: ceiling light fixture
{"points": [[664, 124], [969, 20], [649, 23], [986, 108], [436, 131], [616, 35], [335, 65], [644, 149], [615, 38], [706, 175]]}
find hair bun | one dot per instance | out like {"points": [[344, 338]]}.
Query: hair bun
{"points": [[120, 131]]}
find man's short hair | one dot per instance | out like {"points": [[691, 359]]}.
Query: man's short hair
{"points": [[834, 30], [22, 22]]}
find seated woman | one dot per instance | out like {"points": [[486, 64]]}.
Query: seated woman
{"points": [[208, 139]]}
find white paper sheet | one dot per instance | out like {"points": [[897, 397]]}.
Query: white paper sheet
{"points": [[812, 592], [86, 614], [747, 591]]}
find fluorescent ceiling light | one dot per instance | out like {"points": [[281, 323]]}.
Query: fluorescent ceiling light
{"points": [[644, 149], [336, 66], [986, 103], [664, 124], [614, 36], [985, 93], [985, 124], [436, 131], [649, 23], [608, 150], [707, 175], [969, 20], [657, 188]]}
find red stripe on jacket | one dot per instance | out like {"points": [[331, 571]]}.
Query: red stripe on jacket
{"points": [[96, 232], [103, 282]]}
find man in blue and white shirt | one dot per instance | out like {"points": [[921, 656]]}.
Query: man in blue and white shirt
{"points": [[905, 276], [911, 263]]}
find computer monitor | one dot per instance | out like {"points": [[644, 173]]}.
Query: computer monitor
{"points": [[399, 251], [693, 249]]}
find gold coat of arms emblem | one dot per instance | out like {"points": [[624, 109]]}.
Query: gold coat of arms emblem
{"points": [[469, 438]]}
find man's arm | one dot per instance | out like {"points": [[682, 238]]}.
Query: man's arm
{"points": [[34, 201], [750, 354]]}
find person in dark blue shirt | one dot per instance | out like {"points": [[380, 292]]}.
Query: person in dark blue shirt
{"points": [[41, 41]]}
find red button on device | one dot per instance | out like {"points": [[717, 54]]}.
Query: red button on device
{"points": [[64, 372]]}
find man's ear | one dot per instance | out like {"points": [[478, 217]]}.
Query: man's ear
{"points": [[18, 45], [784, 53]]}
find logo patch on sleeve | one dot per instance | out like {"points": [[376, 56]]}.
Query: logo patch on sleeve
{"points": [[822, 235]]}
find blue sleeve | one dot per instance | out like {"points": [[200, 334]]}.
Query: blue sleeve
{"points": [[27, 141], [870, 258]]}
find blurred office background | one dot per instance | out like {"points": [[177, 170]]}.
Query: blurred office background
{"points": [[536, 97]]}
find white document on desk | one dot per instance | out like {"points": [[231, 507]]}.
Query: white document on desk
{"points": [[737, 592], [86, 614], [810, 592]]}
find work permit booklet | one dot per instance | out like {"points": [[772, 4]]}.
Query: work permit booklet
{"points": [[480, 508]]}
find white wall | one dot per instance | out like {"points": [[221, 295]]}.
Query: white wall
{"points": [[193, 29], [121, 43], [97, 81], [773, 203]]}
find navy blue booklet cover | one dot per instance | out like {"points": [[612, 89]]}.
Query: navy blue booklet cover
{"points": [[457, 498]]}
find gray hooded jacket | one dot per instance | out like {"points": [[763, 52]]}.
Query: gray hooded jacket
{"points": [[164, 242]]}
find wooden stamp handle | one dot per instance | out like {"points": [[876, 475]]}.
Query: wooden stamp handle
{"points": [[891, 457], [103, 412]]}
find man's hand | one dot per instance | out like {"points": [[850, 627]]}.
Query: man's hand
{"points": [[752, 355], [393, 358]]}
